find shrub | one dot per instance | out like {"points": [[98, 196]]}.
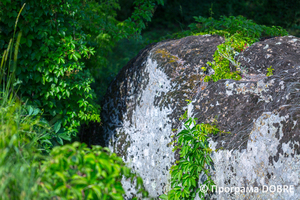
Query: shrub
{"points": [[18, 167], [77, 172]]}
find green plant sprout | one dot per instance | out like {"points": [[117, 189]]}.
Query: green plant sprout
{"points": [[189, 101], [270, 71], [224, 56]]}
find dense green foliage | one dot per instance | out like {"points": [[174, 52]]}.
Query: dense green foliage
{"points": [[21, 134], [50, 71], [19, 138], [69, 172], [78, 172], [176, 15], [18, 170], [233, 25], [58, 39]]}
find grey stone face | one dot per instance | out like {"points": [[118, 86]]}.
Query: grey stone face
{"points": [[144, 102]]}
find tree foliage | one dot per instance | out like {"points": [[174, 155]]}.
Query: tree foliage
{"points": [[59, 38]]}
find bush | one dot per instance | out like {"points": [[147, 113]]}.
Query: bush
{"points": [[70, 172], [77, 172]]}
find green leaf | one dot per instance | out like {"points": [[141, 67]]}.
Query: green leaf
{"points": [[57, 126], [61, 176], [177, 188], [68, 93], [97, 190], [29, 42], [65, 136], [30, 110], [164, 196], [59, 140], [47, 141], [75, 57], [79, 181], [36, 111]]}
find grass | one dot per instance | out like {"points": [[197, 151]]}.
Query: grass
{"points": [[18, 136]]}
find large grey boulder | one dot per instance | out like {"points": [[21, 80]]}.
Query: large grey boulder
{"points": [[144, 102]]}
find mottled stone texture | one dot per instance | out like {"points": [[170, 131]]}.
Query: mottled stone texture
{"points": [[145, 100], [262, 115]]}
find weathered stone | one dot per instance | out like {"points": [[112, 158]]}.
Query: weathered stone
{"points": [[262, 113], [145, 100]]}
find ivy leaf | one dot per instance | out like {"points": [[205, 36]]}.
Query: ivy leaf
{"points": [[59, 140], [30, 110], [57, 126], [64, 136], [29, 42], [47, 141], [164, 196], [177, 188], [36, 111]]}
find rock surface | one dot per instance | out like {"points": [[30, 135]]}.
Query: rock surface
{"points": [[144, 102]]}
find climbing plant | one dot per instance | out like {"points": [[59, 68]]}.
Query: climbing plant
{"points": [[239, 34], [194, 160]]}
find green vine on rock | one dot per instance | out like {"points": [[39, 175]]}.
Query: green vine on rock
{"points": [[194, 160], [224, 56], [239, 34]]}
